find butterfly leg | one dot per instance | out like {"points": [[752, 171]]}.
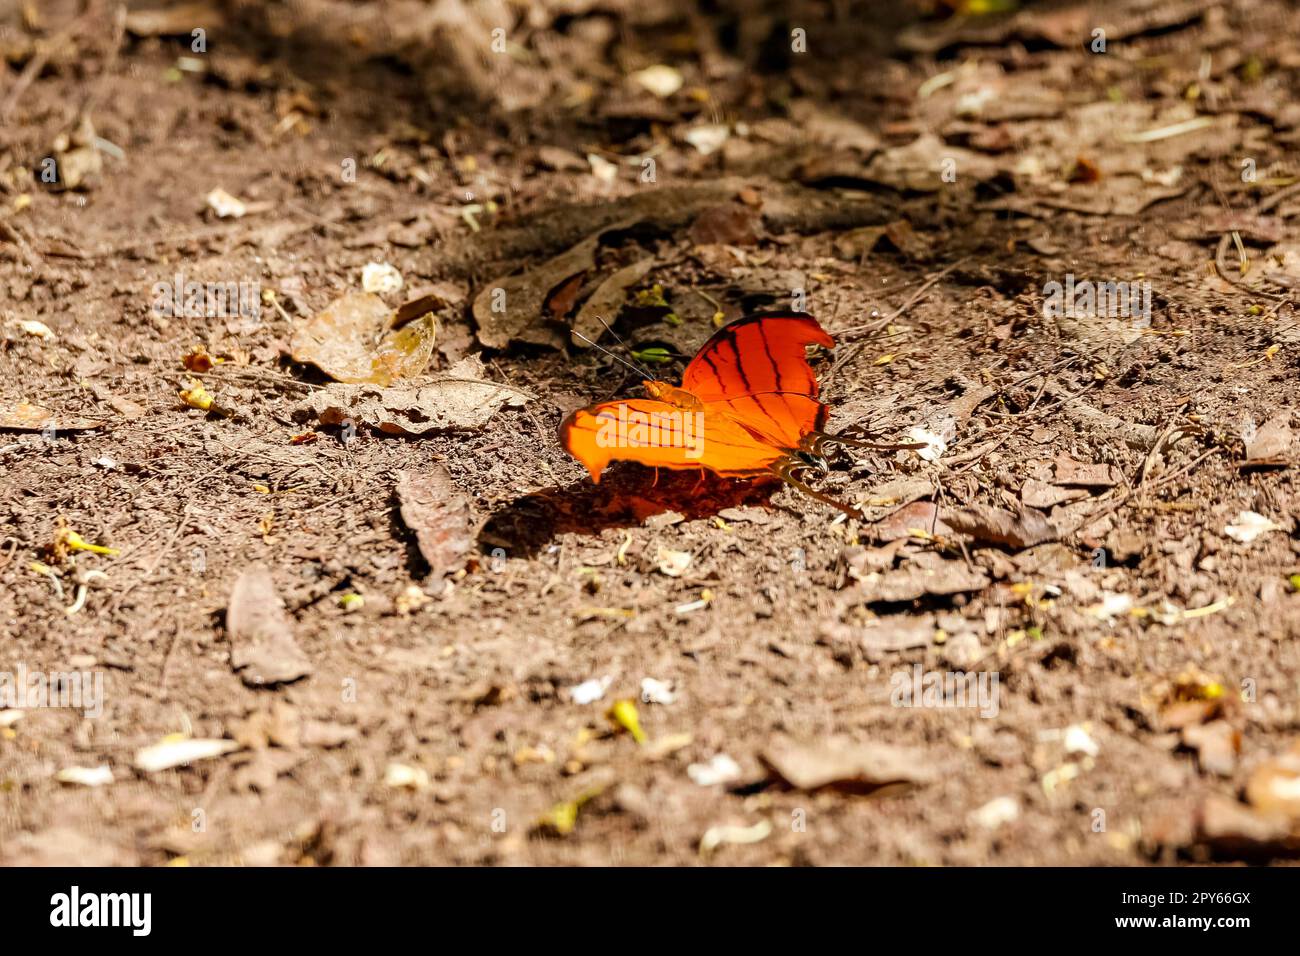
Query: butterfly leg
{"points": [[699, 484], [785, 472], [655, 483]]}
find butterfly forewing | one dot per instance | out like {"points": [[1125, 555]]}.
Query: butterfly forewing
{"points": [[756, 371]]}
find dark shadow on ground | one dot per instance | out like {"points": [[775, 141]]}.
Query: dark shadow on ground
{"points": [[627, 495]]}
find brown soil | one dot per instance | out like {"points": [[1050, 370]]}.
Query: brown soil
{"points": [[790, 622]]}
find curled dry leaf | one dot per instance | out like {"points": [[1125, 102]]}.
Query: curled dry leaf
{"points": [[672, 563], [225, 205], [606, 302], [353, 340], [997, 526], [445, 524], [460, 401], [262, 645], [512, 308], [25, 417]]}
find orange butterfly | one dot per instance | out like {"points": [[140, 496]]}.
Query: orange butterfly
{"points": [[747, 406]]}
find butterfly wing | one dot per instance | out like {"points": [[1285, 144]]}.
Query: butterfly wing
{"points": [[660, 435], [755, 371]]}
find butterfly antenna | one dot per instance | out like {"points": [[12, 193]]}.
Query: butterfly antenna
{"points": [[617, 358], [611, 331]]}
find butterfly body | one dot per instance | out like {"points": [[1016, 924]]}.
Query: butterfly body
{"points": [[671, 394], [747, 407]]}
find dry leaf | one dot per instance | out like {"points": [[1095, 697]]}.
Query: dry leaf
{"points": [[380, 277], [994, 525], [179, 751], [661, 80], [607, 301], [1271, 443], [442, 518], [1248, 526], [847, 765], [445, 404], [511, 309], [262, 645], [353, 340], [25, 417], [912, 581], [85, 776]]}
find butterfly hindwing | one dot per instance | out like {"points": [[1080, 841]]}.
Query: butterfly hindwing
{"points": [[622, 431]]}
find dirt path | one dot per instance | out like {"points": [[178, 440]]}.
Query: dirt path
{"points": [[1102, 534]]}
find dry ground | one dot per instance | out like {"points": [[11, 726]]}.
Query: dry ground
{"points": [[1146, 660]]}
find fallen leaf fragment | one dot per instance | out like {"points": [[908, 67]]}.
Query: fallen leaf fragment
{"points": [[445, 404], [353, 340], [672, 563], [85, 776], [1271, 442], [720, 769], [1248, 526], [25, 417], [996, 813], [997, 526], [513, 308], [715, 837], [843, 764], [443, 519], [177, 751], [34, 328], [380, 277], [401, 776], [911, 582], [603, 305], [262, 645], [225, 205], [661, 80]]}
